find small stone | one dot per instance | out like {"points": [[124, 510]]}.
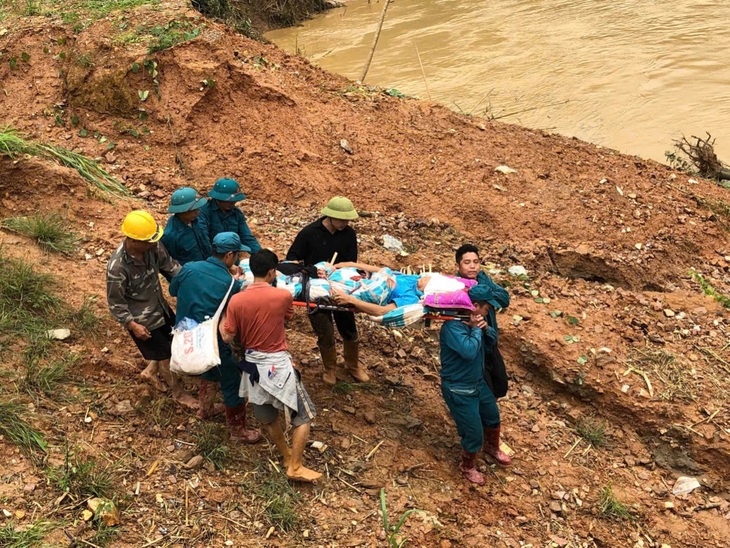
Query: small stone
{"points": [[59, 334], [669, 505], [318, 445], [535, 428], [195, 462], [556, 507], [345, 145], [348, 409], [668, 313], [370, 417]]}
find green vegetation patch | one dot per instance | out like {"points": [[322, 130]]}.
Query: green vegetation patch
{"points": [[13, 145], [80, 13], [15, 429], [210, 443], [30, 537], [592, 430], [50, 231], [84, 478], [274, 499], [610, 506], [171, 34]]}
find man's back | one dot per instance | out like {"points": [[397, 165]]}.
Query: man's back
{"points": [[200, 287], [257, 315]]}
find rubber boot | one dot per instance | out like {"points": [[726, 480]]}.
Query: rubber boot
{"points": [[469, 470], [491, 446], [206, 395], [329, 362], [236, 420], [352, 364]]}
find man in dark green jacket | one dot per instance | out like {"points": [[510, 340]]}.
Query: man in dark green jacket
{"points": [[469, 399], [220, 214], [200, 287], [182, 237]]}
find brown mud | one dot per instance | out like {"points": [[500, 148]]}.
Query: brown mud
{"points": [[608, 242]]}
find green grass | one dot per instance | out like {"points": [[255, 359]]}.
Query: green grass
{"points": [[85, 319], [30, 537], [104, 535], [84, 478], [592, 430], [708, 289], [392, 531], [45, 378], [276, 499], [19, 432], [171, 34], [610, 506], [210, 443], [28, 308], [50, 231], [13, 145]]}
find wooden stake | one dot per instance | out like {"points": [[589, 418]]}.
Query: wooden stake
{"points": [[423, 73], [371, 453], [375, 41]]}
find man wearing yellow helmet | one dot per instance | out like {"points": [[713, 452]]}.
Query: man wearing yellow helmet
{"points": [[136, 301]]}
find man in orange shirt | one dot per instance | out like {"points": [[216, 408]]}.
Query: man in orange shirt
{"points": [[256, 318]]}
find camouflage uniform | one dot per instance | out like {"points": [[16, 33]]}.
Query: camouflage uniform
{"points": [[133, 288]]}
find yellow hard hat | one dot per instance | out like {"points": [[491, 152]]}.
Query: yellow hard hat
{"points": [[139, 225]]}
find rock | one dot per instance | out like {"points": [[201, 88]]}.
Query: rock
{"points": [[370, 417], [505, 169], [345, 145], [318, 445], [685, 485], [669, 313], [535, 428], [393, 244], [195, 462], [556, 507], [59, 334], [517, 271], [105, 511], [348, 409], [122, 408]]}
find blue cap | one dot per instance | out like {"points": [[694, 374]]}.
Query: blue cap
{"points": [[184, 200], [228, 241], [482, 292], [227, 190]]}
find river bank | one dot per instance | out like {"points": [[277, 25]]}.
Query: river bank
{"points": [[633, 76], [608, 331]]}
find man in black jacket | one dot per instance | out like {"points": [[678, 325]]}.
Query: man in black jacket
{"points": [[331, 238]]}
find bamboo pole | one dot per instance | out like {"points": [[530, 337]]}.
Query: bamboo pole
{"points": [[375, 41], [423, 73]]}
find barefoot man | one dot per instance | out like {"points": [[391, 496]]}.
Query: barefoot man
{"points": [[256, 318], [136, 301]]}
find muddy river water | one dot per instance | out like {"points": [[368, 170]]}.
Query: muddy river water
{"points": [[628, 74]]}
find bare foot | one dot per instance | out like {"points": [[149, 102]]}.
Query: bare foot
{"points": [[302, 474], [151, 378], [186, 400]]}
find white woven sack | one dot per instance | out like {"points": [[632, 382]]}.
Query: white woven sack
{"points": [[195, 351]]}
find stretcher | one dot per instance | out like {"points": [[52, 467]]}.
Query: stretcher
{"points": [[428, 314]]}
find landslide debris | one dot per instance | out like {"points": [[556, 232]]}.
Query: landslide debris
{"points": [[609, 323]]}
